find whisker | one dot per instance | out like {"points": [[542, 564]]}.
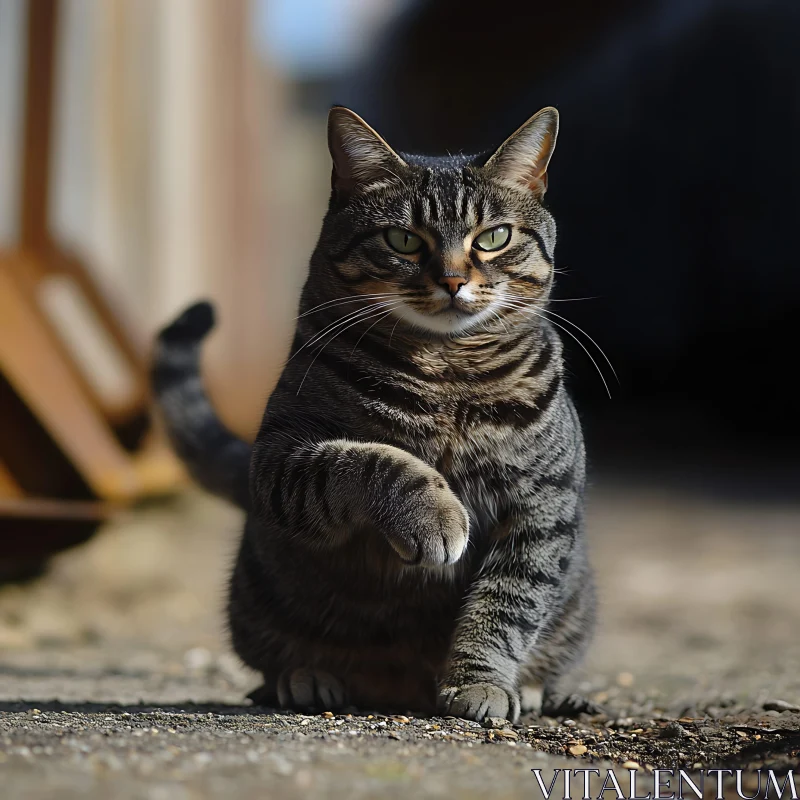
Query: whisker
{"points": [[341, 300], [358, 341], [578, 328], [569, 333], [325, 344], [393, 329], [551, 299], [569, 322], [500, 320], [336, 323]]}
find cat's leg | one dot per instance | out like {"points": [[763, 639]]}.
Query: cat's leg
{"points": [[518, 591], [560, 648], [322, 493], [320, 496]]}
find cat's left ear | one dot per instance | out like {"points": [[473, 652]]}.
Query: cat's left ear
{"points": [[524, 156], [360, 155]]}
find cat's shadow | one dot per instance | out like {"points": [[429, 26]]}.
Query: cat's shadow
{"points": [[55, 706]]}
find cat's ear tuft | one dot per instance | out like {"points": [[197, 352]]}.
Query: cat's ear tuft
{"points": [[360, 155], [524, 156]]}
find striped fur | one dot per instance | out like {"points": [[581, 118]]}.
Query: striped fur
{"points": [[215, 457], [415, 532]]}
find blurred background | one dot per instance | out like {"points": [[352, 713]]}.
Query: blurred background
{"points": [[156, 151]]}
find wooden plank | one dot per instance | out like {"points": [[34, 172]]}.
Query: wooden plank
{"points": [[31, 270], [35, 234], [31, 361], [45, 508], [31, 532], [42, 21], [8, 486]]}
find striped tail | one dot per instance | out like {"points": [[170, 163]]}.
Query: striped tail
{"points": [[215, 458]]}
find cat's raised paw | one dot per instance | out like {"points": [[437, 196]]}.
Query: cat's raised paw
{"points": [[310, 688], [477, 701], [431, 527]]}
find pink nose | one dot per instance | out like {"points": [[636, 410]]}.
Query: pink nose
{"points": [[452, 283]]}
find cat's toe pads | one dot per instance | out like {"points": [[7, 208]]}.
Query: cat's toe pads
{"points": [[569, 706], [477, 701], [310, 688]]}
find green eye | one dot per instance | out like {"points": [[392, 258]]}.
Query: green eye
{"points": [[494, 239], [403, 241]]}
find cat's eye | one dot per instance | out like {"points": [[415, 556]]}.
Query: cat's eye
{"points": [[493, 239], [403, 241]]}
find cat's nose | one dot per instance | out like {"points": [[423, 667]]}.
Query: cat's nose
{"points": [[452, 283]]}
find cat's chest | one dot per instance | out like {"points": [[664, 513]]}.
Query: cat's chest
{"points": [[475, 462]]}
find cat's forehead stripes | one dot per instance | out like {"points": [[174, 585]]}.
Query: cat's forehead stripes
{"points": [[448, 203]]}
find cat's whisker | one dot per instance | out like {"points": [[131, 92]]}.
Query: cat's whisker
{"points": [[522, 309], [358, 341], [342, 300], [350, 320], [499, 319], [578, 328], [551, 299], [380, 313], [337, 323], [569, 322], [393, 330], [356, 317], [321, 333]]}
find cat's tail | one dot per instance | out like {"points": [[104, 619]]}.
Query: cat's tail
{"points": [[215, 457]]}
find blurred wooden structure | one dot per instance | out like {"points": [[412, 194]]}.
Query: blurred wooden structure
{"points": [[68, 455]]}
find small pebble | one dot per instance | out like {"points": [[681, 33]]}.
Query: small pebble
{"points": [[578, 749], [672, 731], [495, 722]]}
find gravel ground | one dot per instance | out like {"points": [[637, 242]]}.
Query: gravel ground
{"points": [[115, 681]]}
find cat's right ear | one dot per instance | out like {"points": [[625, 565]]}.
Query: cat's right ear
{"points": [[360, 155]]}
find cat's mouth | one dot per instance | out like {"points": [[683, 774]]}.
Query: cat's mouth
{"points": [[456, 304], [453, 315]]}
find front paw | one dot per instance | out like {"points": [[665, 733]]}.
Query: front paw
{"points": [[478, 701], [425, 523], [305, 689]]}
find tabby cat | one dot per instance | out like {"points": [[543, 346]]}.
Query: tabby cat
{"points": [[414, 497]]}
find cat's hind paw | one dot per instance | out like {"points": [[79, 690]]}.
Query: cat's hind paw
{"points": [[477, 701], [305, 689], [569, 706]]}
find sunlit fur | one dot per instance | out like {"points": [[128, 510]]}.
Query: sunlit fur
{"points": [[414, 536]]}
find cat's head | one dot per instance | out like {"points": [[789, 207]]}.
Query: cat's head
{"points": [[450, 245]]}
